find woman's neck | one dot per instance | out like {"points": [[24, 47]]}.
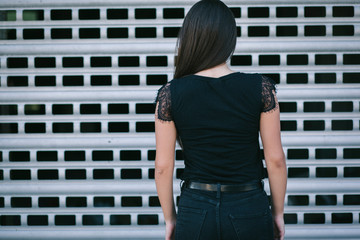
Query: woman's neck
{"points": [[216, 72]]}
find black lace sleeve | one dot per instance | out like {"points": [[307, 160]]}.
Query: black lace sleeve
{"points": [[164, 99], [268, 94]]}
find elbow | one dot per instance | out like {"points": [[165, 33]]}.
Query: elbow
{"points": [[276, 160], [160, 171], [163, 168], [162, 174]]}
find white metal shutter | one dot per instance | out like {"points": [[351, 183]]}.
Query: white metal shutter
{"points": [[78, 79]]}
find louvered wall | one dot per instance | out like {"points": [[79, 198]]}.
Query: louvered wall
{"points": [[78, 79]]}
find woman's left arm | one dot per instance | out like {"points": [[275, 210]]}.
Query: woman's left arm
{"points": [[165, 134]]}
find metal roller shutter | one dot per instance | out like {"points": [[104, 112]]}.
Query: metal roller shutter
{"points": [[78, 79]]}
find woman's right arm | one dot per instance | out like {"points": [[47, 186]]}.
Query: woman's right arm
{"points": [[276, 166]]}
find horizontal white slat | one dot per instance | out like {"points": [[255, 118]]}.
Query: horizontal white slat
{"points": [[160, 23], [91, 117], [144, 71], [142, 3], [145, 163], [74, 96], [78, 233], [89, 210], [77, 187], [141, 140], [149, 94], [168, 46], [157, 210], [76, 118], [308, 232]]}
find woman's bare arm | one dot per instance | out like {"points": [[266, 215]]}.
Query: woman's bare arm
{"points": [[165, 133], [276, 166]]}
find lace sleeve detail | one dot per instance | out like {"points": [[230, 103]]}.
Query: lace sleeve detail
{"points": [[268, 94], [164, 99]]}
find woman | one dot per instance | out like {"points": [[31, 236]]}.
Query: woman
{"points": [[216, 114]]}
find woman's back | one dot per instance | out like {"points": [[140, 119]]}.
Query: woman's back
{"points": [[217, 116], [217, 120]]}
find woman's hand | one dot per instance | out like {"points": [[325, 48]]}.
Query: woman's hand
{"points": [[170, 231], [279, 227]]}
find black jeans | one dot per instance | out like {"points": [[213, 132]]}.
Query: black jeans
{"points": [[223, 215]]}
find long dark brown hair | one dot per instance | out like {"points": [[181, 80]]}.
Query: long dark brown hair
{"points": [[206, 39]]}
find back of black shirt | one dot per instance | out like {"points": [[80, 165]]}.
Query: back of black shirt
{"points": [[217, 120]]}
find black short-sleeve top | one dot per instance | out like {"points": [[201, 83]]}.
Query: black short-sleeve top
{"points": [[217, 121]]}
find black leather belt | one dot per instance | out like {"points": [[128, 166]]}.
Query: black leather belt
{"points": [[224, 188]]}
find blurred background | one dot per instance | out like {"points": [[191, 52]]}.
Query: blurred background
{"points": [[77, 84]]}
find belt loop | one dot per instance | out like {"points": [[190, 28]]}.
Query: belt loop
{"points": [[218, 190]]}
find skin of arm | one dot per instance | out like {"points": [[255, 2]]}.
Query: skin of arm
{"points": [[165, 135], [276, 166]]}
